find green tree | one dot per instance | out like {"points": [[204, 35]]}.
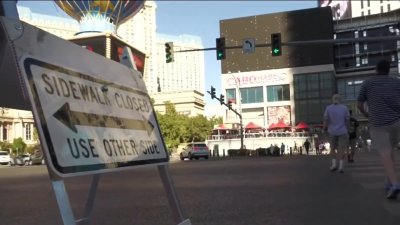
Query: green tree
{"points": [[177, 128], [171, 125], [35, 134], [4, 146], [197, 128], [18, 145], [216, 120]]}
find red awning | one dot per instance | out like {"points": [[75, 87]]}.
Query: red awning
{"points": [[302, 125], [221, 127], [252, 125]]}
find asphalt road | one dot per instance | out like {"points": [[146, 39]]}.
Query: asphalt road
{"points": [[291, 190]]}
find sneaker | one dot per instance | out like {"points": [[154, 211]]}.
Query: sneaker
{"points": [[387, 186], [393, 192], [341, 171], [333, 168]]}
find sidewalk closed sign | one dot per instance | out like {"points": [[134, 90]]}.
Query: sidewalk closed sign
{"points": [[90, 123], [95, 114]]}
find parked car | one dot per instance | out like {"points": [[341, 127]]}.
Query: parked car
{"points": [[195, 150], [37, 158], [5, 158], [20, 160]]}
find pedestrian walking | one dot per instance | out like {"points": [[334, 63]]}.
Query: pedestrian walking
{"points": [[316, 143], [307, 146], [352, 137], [282, 149], [336, 121], [382, 95]]}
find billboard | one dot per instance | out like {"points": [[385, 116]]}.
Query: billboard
{"points": [[340, 9], [279, 113]]}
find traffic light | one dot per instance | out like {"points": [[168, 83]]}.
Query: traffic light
{"points": [[220, 48], [212, 92], [169, 52], [222, 99], [230, 104], [276, 47]]}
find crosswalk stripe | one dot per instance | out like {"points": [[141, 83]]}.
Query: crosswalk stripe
{"points": [[392, 207], [369, 172]]}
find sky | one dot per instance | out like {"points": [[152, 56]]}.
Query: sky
{"points": [[199, 18]]}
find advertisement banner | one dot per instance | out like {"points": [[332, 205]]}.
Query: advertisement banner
{"points": [[340, 9]]}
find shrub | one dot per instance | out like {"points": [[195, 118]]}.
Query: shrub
{"points": [[262, 151], [233, 152]]}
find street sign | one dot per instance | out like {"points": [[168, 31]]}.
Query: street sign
{"points": [[93, 114], [249, 45], [90, 123]]}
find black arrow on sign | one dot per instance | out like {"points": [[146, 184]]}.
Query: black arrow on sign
{"points": [[71, 119]]}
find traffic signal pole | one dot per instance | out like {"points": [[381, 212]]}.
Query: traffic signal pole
{"points": [[310, 42], [229, 106]]}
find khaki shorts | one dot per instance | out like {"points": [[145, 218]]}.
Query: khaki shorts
{"points": [[385, 138], [339, 143]]}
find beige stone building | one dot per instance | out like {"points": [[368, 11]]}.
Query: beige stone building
{"points": [[16, 124], [190, 103]]}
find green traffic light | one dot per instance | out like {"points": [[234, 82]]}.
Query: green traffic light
{"points": [[220, 55]]}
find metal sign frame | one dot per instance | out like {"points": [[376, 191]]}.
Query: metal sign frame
{"points": [[14, 29]]}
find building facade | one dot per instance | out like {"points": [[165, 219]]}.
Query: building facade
{"points": [[372, 7], [355, 62], [190, 103], [295, 86], [16, 124], [185, 75], [346, 9]]}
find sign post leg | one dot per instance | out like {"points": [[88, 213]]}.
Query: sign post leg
{"points": [[171, 194], [9, 9], [90, 201], [63, 202]]}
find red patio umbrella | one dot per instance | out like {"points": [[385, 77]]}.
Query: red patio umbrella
{"points": [[302, 125], [221, 127], [271, 126], [280, 125], [252, 126]]}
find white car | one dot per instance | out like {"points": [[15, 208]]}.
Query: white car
{"points": [[21, 160], [195, 150], [5, 158]]}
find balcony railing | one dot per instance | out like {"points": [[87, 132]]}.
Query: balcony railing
{"points": [[261, 135]]}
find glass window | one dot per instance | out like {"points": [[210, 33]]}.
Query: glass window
{"points": [[312, 93], [231, 95], [251, 95], [28, 131], [348, 88], [312, 86], [278, 93]]}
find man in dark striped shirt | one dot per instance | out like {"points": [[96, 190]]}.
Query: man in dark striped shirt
{"points": [[382, 95]]}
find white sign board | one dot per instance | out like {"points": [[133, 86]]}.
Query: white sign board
{"points": [[94, 114], [249, 45]]}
